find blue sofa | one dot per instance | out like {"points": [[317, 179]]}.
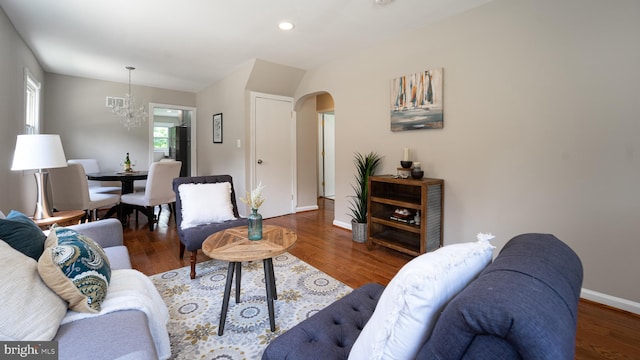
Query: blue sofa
{"points": [[522, 306]]}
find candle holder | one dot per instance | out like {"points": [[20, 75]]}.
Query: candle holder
{"points": [[406, 164], [416, 171]]}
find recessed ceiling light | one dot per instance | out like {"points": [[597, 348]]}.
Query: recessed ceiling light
{"points": [[286, 26]]}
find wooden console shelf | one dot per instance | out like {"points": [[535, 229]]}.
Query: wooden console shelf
{"points": [[413, 234]]}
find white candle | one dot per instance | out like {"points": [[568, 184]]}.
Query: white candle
{"points": [[416, 165], [405, 157]]}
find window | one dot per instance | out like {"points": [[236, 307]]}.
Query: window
{"points": [[31, 103], [161, 137]]}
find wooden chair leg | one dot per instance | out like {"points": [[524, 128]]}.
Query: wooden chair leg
{"points": [[181, 249], [194, 257], [150, 218], [172, 209]]}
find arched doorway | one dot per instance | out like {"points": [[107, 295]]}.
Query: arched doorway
{"points": [[315, 139]]}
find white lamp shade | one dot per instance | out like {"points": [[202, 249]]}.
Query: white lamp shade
{"points": [[40, 151]]}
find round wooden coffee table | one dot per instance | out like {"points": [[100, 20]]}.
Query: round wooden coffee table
{"points": [[233, 245]]}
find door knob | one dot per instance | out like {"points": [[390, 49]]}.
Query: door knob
{"points": [[259, 161]]}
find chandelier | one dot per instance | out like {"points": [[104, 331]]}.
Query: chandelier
{"points": [[130, 115]]}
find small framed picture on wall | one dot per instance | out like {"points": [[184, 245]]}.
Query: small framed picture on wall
{"points": [[217, 128]]}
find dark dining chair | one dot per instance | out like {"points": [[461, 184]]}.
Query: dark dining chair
{"points": [[192, 236]]}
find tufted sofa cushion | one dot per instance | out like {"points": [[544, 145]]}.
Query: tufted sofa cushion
{"points": [[332, 332]]}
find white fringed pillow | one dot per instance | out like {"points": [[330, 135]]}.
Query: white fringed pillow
{"points": [[29, 310], [410, 305], [205, 203]]}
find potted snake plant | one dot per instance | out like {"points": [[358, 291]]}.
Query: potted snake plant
{"points": [[366, 166]]}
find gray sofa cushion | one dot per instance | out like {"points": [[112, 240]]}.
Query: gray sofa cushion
{"points": [[109, 336], [522, 305], [118, 257], [107, 232]]}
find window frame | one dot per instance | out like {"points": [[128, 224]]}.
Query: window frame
{"points": [[166, 125], [32, 95]]}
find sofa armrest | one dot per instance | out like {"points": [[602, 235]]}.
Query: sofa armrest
{"points": [[106, 233], [524, 304]]}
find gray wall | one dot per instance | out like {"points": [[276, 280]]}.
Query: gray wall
{"points": [[75, 108], [227, 96], [541, 130], [18, 187], [307, 154], [231, 96]]}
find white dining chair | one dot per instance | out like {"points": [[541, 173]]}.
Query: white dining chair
{"points": [[70, 191], [158, 190], [140, 185], [92, 166]]}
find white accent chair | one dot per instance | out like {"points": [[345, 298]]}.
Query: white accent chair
{"points": [[92, 166], [158, 190], [70, 191]]}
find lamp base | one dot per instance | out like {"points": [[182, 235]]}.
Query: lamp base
{"points": [[43, 210]]}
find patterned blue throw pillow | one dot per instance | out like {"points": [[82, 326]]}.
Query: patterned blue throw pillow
{"points": [[22, 234], [76, 268]]}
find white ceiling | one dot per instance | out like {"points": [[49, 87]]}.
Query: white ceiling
{"points": [[190, 44]]}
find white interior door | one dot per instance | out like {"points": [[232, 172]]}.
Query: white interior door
{"points": [[329, 158], [273, 155]]}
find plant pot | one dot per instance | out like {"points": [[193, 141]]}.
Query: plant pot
{"points": [[359, 232]]}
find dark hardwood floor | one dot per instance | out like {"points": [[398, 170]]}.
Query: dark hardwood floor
{"points": [[603, 332]]}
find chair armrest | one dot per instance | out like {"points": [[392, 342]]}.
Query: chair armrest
{"points": [[106, 233]]}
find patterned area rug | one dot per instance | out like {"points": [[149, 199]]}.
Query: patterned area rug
{"points": [[195, 305]]}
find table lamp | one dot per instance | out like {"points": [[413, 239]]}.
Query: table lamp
{"points": [[38, 152]]}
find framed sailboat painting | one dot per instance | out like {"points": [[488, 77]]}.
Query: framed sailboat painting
{"points": [[416, 101]]}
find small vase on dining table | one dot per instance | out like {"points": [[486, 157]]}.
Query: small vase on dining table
{"points": [[255, 225]]}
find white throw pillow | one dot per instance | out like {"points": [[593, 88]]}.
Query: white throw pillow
{"points": [[29, 310], [205, 203], [410, 305]]}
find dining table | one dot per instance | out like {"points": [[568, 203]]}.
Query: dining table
{"points": [[126, 179]]}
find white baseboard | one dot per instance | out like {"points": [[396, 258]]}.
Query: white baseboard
{"points": [[616, 302], [342, 224], [306, 208]]}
